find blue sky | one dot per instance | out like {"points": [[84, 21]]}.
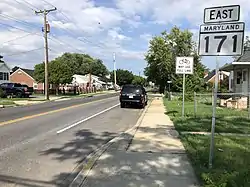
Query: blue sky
{"points": [[100, 28]]}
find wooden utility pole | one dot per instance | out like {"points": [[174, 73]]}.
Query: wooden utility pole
{"points": [[114, 70], [46, 30]]}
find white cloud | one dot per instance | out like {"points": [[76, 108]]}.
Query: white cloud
{"points": [[146, 36], [173, 11], [116, 36], [84, 26]]}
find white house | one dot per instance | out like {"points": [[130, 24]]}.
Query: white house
{"points": [[239, 81], [83, 80], [239, 78], [4, 72]]}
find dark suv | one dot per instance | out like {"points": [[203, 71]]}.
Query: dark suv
{"points": [[133, 94]]}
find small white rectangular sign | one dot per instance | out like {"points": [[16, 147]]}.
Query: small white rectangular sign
{"points": [[184, 65], [221, 39], [222, 14]]}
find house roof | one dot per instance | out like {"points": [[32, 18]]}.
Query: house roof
{"points": [[241, 61], [30, 72], [245, 57], [213, 73], [3, 63], [210, 75]]}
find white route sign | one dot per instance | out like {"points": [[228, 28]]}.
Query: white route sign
{"points": [[221, 39], [184, 65], [222, 14]]}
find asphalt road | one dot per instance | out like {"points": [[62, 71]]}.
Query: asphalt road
{"points": [[45, 150], [21, 111]]}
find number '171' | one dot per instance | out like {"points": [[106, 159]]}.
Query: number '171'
{"points": [[222, 40]]}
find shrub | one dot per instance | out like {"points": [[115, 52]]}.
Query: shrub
{"points": [[188, 97], [2, 95]]}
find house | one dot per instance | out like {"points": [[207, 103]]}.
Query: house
{"points": [[239, 79], [25, 76], [239, 70], [83, 81], [4, 72], [210, 77]]}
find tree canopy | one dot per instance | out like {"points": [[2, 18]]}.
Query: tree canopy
{"points": [[139, 80], [64, 67], [123, 77], [161, 57]]}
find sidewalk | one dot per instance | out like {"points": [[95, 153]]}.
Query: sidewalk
{"points": [[155, 158]]}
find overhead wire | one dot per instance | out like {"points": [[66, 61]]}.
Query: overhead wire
{"points": [[23, 52], [20, 37], [26, 5], [54, 38], [17, 20], [70, 20]]}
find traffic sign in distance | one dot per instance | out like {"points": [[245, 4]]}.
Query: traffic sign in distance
{"points": [[222, 14], [221, 39], [184, 65]]}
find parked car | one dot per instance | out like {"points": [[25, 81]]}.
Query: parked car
{"points": [[133, 94], [16, 89]]}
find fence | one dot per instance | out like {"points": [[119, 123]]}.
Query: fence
{"points": [[232, 112], [198, 105]]}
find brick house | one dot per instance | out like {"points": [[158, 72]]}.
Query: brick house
{"points": [[25, 76]]}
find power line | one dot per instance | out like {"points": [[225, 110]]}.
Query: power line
{"points": [[17, 20], [23, 52], [30, 7], [64, 43], [7, 25], [20, 37], [70, 20]]}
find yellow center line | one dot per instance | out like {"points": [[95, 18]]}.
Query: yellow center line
{"points": [[49, 112]]}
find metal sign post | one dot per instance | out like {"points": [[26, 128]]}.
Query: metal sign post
{"points": [[184, 65], [211, 151], [183, 96], [220, 39]]}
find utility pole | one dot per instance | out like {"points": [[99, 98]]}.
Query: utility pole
{"points": [[114, 69], [46, 30]]}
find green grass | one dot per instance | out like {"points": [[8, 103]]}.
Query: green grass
{"points": [[231, 163], [6, 102], [227, 120], [231, 160]]}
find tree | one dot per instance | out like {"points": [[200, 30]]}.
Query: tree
{"points": [[139, 80], [39, 72], [64, 67], [60, 73], [122, 77], [161, 57]]}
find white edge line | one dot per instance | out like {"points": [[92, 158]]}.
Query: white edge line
{"points": [[86, 119]]}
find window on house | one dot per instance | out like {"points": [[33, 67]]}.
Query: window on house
{"points": [[4, 76], [238, 77], [244, 76], [232, 82], [35, 86]]}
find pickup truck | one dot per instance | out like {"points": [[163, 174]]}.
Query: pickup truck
{"points": [[16, 89]]}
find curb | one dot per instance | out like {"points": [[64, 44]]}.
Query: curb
{"points": [[92, 158], [8, 106]]}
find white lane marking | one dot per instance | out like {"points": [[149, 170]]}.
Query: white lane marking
{"points": [[86, 119]]}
